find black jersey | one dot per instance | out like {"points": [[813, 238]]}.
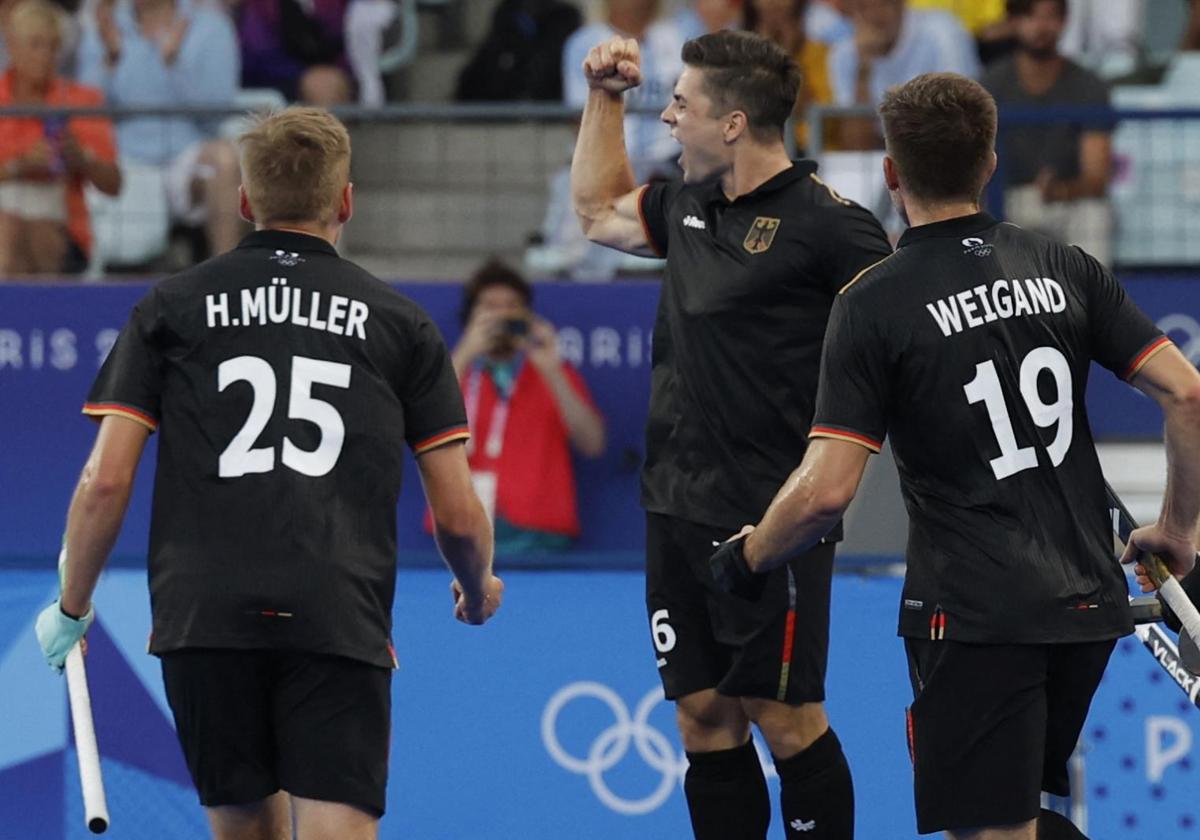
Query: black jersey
{"points": [[971, 348], [284, 382], [737, 339]]}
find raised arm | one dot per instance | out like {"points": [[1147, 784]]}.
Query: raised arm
{"points": [[603, 190]]}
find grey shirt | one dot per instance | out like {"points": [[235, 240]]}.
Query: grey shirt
{"points": [[1026, 149]]}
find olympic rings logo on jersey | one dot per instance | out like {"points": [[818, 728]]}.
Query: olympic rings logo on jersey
{"points": [[611, 746], [1189, 342]]}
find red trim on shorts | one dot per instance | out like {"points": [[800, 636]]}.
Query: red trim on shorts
{"points": [[789, 638], [909, 736]]}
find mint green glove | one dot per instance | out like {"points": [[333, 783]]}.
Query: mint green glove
{"points": [[57, 633]]}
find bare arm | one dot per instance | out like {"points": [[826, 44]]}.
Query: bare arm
{"points": [[585, 426], [462, 531], [98, 508], [1171, 381], [104, 175], [809, 504], [478, 335], [1095, 171], [1191, 35], [603, 190], [860, 133]]}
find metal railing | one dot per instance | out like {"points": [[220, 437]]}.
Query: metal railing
{"points": [[1147, 220], [473, 179]]}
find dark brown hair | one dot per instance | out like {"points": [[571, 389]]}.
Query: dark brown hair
{"points": [[494, 272], [1020, 8], [940, 130], [745, 72]]}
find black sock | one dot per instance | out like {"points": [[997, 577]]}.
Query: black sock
{"points": [[817, 792], [727, 794]]}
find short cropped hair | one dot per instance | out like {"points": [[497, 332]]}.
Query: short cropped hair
{"points": [[746, 72], [940, 130], [39, 13], [295, 164], [494, 272], [1021, 8]]}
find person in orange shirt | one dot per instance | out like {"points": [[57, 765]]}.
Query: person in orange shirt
{"points": [[782, 21], [44, 163]]}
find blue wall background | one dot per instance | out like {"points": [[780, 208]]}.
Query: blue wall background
{"points": [[470, 754], [470, 728], [53, 338]]}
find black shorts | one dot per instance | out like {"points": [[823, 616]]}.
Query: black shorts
{"points": [[254, 721], [775, 647], [992, 726]]}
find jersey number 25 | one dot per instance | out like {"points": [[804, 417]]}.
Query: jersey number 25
{"points": [[241, 458]]}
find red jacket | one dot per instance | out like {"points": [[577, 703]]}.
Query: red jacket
{"points": [[524, 442]]}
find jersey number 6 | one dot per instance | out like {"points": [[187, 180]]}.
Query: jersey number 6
{"points": [[240, 458], [985, 388]]}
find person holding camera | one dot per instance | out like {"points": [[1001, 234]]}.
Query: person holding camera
{"points": [[527, 409]]}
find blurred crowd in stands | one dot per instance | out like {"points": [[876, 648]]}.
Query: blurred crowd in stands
{"points": [[181, 169]]}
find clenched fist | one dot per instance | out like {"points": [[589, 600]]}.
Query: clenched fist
{"points": [[614, 66]]}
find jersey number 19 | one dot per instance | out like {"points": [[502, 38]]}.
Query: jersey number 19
{"points": [[985, 388]]}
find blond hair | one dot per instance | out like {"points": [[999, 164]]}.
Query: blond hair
{"points": [[35, 13], [295, 164]]}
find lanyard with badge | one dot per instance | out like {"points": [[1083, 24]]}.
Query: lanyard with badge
{"points": [[485, 481]]}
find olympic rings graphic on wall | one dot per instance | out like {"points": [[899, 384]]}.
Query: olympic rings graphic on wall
{"points": [[611, 746]]}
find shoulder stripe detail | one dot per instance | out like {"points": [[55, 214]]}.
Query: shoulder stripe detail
{"points": [[838, 197], [851, 437], [654, 246], [858, 276], [441, 438], [1148, 352], [99, 410]]}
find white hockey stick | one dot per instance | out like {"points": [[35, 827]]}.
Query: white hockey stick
{"points": [[95, 808]]}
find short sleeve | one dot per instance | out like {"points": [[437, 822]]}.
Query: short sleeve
{"points": [[853, 242], [1123, 338], [1094, 93], [853, 393], [433, 404], [129, 383], [654, 203]]}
